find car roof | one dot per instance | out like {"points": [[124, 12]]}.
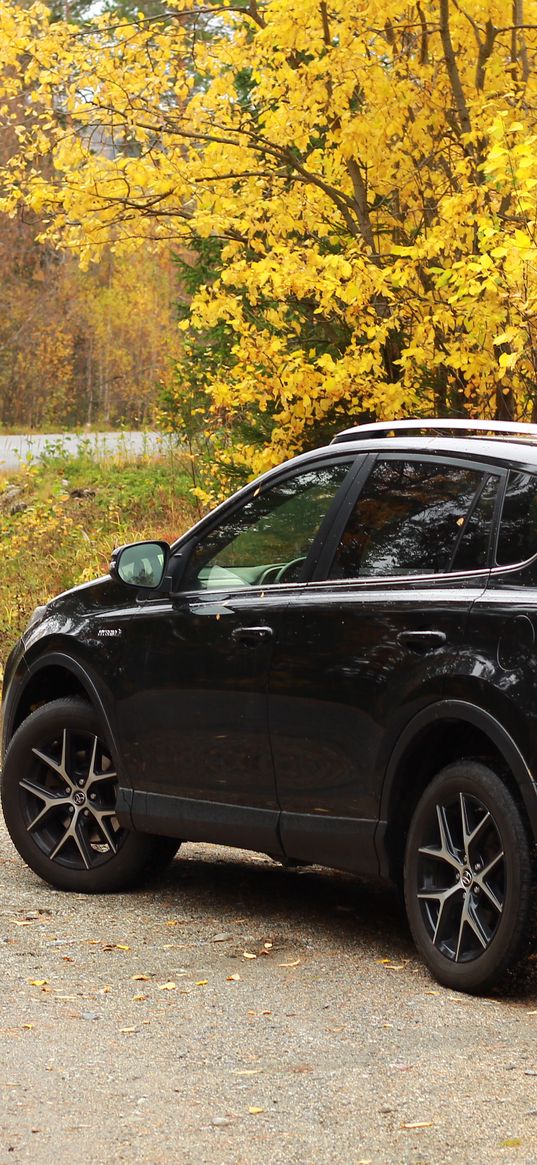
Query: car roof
{"points": [[502, 442]]}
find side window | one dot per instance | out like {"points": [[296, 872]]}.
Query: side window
{"points": [[518, 528], [471, 552], [268, 538], [418, 517]]}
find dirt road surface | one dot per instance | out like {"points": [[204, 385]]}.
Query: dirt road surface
{"points": [[237, 1013]]}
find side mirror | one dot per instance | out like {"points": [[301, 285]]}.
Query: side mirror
{"points": [[141, 564]]}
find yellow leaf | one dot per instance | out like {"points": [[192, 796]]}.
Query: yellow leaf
{"points": [[254, 1110], [38, 982], [170, 986], [202, 982]]}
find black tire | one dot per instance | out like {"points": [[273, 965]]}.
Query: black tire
{"points": [[468, 878], [162, 854], [59, 789]]}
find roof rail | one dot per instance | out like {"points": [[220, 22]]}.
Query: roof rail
{"points": [[495, 430]]}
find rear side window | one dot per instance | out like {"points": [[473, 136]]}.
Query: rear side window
{"points": [[518, 529], [418, 517]]}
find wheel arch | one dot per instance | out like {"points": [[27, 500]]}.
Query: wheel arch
{"points": [[53, 677], [439, 735]]}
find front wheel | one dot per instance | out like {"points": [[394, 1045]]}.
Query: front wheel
{"points": [[59, 790], [468, 878]]}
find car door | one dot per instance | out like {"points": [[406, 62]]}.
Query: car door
{"points": [[192, 699], [499, 670], [369, 642]]}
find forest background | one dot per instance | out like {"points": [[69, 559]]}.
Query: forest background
{"points": [[261, 220], [254, 222]]}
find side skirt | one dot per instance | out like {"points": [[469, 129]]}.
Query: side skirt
{"points": [[213, 821], [341, 843]]}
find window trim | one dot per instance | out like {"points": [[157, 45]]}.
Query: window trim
{"points": [[521, 563], [323, 567]]}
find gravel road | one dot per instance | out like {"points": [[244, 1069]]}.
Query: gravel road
{"points": [[141, 1028]]}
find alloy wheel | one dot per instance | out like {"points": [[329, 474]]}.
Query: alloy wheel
{"points": [[68, 800], [461, 878]]}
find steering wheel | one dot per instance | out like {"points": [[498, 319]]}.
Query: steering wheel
{"points": [[288, 568]]}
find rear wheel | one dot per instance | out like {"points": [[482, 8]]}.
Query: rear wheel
{"points": [[59, 791], [468, 878]]}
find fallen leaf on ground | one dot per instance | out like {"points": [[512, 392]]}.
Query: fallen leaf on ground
{"points": [[171, 986], [141, 978], [248, 955], [233, 978], [417, 1125], [293, 963], [37, 982], [201, 982], [253, 1109]]}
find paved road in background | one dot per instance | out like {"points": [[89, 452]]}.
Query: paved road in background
{"points": [[17, 450], [139, 1028]]}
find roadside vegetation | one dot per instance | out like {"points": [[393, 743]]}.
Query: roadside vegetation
{"points": [[61, 518]]}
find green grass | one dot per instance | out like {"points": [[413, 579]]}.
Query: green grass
{"points": [[61, 518]]}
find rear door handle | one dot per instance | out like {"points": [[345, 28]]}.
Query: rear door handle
{"points": [[251, 636], [421, 640]]}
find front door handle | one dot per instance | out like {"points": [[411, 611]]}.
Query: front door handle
{"points": [[421, 640], [251, 636]]}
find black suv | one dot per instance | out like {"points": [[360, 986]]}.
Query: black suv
{"points": [[338, 665]]}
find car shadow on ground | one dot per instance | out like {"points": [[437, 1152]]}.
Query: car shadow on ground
{"points": [[303, 899], [305, 905]]}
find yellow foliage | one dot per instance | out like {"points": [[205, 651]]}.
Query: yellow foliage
{"points": [[370, 166]]}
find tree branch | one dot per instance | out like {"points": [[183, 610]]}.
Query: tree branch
{"points": [[461, 107]]}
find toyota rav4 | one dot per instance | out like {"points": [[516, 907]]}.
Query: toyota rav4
{"points": [[336, 666]]}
